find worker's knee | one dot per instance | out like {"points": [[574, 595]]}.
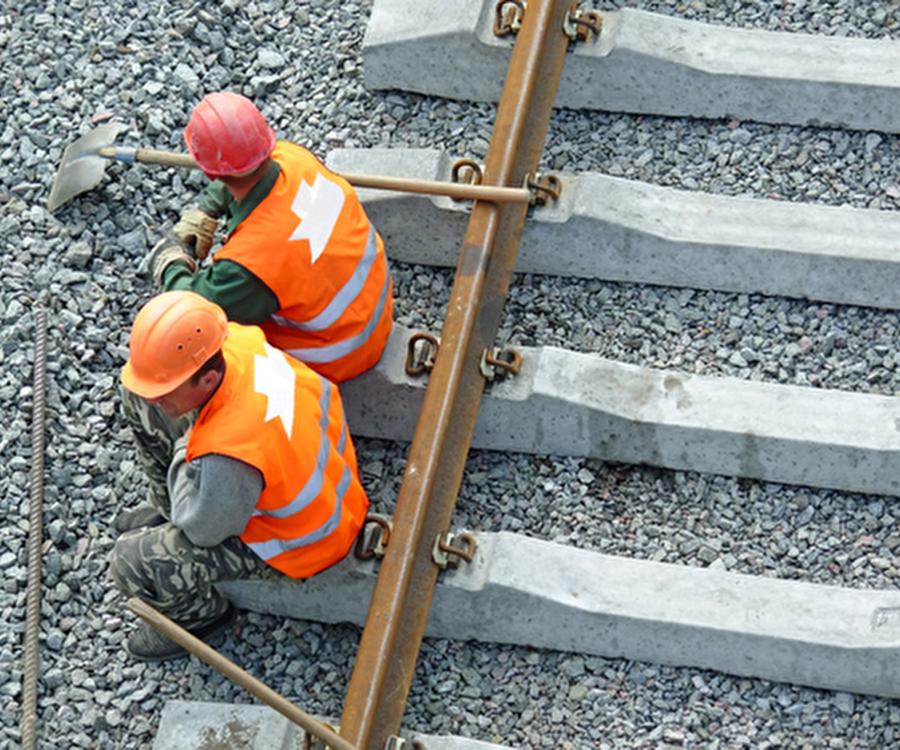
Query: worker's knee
{"points": [[158, 564], [121, 564], [126, 567]]}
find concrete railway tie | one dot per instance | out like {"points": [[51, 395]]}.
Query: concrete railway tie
{"points": [[530, 592], [572, 404], [646, 63], [622, 230]]}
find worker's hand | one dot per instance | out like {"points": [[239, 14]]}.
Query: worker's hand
{"points": [[196, 231], [165, 252]]}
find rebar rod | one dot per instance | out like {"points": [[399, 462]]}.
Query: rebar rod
{"points": [[233, 672], [35, 535], [385, 663]]}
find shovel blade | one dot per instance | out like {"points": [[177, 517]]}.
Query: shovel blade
{"points": [[82, 167]]}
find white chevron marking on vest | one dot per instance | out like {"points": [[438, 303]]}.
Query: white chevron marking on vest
{"points": [[274, 378], [318, 207]]}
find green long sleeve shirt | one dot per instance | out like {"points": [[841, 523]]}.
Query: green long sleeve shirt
{"points": [[243, 296]]}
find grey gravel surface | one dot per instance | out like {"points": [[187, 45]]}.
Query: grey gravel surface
{"points": [[72, 64]]}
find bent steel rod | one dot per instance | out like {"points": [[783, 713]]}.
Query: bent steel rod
{"points": [[238, 676], [35, 535], [385, 663]]}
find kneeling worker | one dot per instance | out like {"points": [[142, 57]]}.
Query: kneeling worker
{"points": [[301, 258], [265, 477]]}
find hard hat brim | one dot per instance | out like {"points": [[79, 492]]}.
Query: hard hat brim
{"points": [[143, 388]]}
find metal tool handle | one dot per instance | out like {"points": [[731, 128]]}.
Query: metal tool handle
{"points": [[460, 191], [238, 676]]}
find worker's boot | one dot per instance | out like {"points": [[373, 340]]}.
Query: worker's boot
{"points": [[148, 644], [143, 515]]}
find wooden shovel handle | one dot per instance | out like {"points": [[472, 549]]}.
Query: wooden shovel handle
{"points": [[148, 156], [460, 191]]}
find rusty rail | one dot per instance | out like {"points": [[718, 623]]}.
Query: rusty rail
{"points": [[384, 668]]}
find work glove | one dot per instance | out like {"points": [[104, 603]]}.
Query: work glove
{"points": [[196, 230], [165, 252]]}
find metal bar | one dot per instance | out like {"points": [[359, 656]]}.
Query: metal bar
{"points": [[376, 696], [35, 535], [233, 672], [456, 190]]}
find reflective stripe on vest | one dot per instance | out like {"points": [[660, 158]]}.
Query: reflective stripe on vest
{"points": [[274, 547], [345, 295], [310, 242], [334, 352], [310, 491], [312, 505]]}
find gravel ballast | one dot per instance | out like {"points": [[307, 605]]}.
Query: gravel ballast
{"points": [[71, 65]]}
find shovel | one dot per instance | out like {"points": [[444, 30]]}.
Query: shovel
{"points": [[84, 161]]}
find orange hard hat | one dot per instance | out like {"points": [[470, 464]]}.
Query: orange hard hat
{"points": [[228, 135], [172, 336]]}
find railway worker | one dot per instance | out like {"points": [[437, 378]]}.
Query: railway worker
{"points": [[301, 258], [260, 470]]}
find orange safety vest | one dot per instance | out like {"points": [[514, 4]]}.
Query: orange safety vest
{"points": [[310, 241], [277, 415]]}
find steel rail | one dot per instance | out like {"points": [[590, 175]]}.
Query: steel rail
{"points": [[35, 534], [385, 664]]}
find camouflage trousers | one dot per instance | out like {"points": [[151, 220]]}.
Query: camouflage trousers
{"points": [[160, 564]]}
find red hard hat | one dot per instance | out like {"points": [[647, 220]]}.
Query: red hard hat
{"points": [[228, 135], [172, 336]]}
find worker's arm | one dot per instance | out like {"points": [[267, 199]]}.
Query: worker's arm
{"points": [[213, 497], [218, 202], [215, 200], [243, 296]]}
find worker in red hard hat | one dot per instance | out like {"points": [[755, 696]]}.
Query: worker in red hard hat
{"points": [[266, 478], [300, 258]]}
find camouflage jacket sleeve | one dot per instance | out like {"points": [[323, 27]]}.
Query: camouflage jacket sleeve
{"points": [[212, 497]]}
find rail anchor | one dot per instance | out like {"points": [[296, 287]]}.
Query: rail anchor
{"points": [[508, 17], [421, 353], [398, 743], [466, 171], [543, 187], [311, 742], [374, 538], [499, 364], [447, 551], [579, 25]]}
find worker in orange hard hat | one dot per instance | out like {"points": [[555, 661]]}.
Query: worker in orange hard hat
{"points": [[300, 259], [264, 478]]}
